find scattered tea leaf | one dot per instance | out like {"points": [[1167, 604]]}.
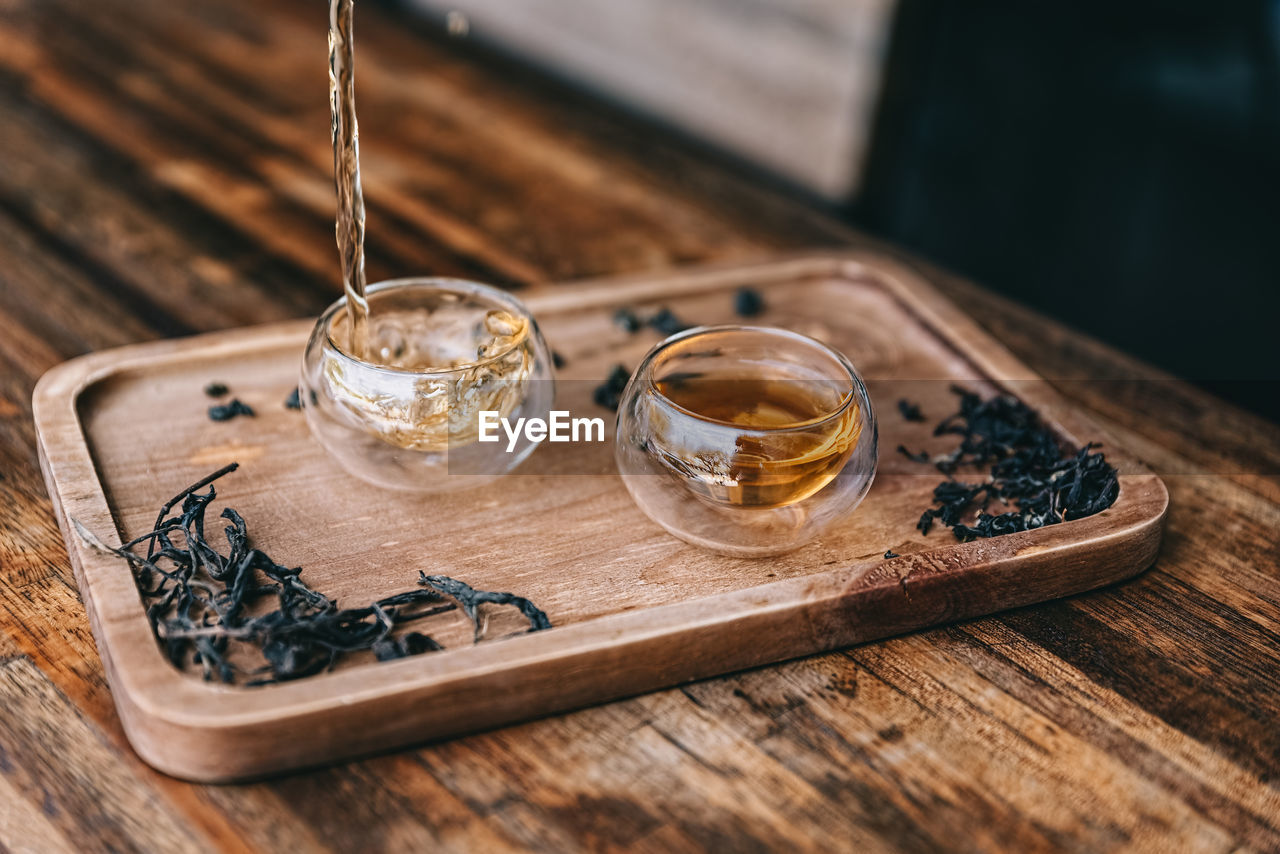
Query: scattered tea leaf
{"points": [[666, 322], [910, 411], [921, 457], [748, 302], [227, 411], [216, 389], [627, 320], [198, 600], [558, 361], [609, 393], [471, 599], [294, 400], [889, 554], [414, 643], [1029, 470]]}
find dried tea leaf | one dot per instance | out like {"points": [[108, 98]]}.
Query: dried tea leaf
{"points": [[921, 457], [199, 598], [609, 393], [666, 322], [227, 411], [627, 320], [1028, 469], [471, 599], [910, 411], [748, 302]]}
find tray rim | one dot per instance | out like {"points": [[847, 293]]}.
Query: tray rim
{"points": [[155, 698]]}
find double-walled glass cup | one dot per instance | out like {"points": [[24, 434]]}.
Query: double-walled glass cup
{"points": [[444, 351], [746, 440]]}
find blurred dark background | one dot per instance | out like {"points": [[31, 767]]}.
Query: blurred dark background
{"points": [[1115, 165]]}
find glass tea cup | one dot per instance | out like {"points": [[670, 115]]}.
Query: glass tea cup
{"points": [[745, 440], [446, 350]]}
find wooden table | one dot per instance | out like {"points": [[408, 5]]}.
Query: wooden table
{"points": [[164, 169]]}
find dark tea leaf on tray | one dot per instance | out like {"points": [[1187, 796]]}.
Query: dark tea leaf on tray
{"points": [[200, 600], [471, 599], [748, 302], [910, 411], [609, 393], [921, 457], [666, 322], [227, 411], [627, 320], [1028, 470], [414, 643]]}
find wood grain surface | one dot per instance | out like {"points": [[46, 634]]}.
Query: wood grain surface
{"points": [[166, 170]]}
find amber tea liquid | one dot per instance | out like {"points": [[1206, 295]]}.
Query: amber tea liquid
{"points": [[796, 436], [349, 227]]}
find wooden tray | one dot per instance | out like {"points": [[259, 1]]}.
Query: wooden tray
{"points": [[634, 609]]}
